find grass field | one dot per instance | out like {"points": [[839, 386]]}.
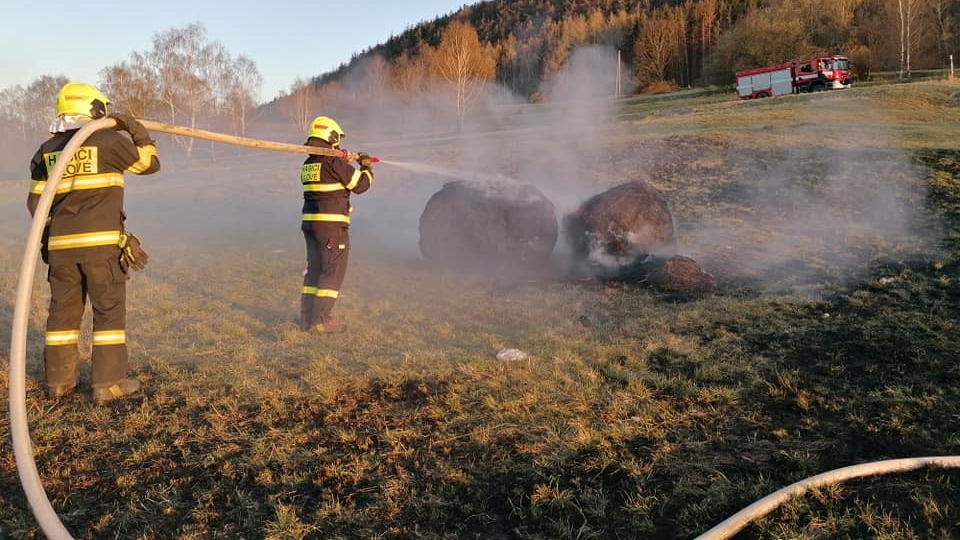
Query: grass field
{"points": [[832, 224]]}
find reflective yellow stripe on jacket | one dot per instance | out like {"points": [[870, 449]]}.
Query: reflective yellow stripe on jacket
{"points": [[80, 182], [323, 188], [145, 156], [70, 241], [325, 199], [355, 178]]}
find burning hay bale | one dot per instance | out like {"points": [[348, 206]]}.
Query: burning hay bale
{"points": [[618, 228], [618, 234], [499, 225]]}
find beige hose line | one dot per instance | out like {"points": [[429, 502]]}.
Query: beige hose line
{"points": [[19, 429], [764, 506], [245, 141]]}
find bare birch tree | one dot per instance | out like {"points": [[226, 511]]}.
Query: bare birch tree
{"points": [[464, 63], [941, 23], [29, 111], [908, 12], [13, 113], [240, 81], [132, 86], [39, 101], [177, 57], [298, 104], [411, 69]]}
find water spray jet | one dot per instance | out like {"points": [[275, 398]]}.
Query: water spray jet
{"points": [[450, 172]]}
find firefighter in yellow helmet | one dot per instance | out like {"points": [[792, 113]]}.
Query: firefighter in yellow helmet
{"points": [[81, 242], [327, 182]]}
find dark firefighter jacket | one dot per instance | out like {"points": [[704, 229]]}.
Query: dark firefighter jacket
{"points": [[327, 184], [86, 216]]}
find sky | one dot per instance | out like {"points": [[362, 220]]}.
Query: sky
{"points": [[286, 39]]}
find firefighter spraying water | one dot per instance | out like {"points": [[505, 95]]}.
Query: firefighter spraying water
{"points": [[328, 183]]}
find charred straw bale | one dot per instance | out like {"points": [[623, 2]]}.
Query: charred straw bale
{"points": [[678, 274], [618, 228], [488, 225]]}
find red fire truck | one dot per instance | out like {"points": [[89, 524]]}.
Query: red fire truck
{"points": [[808, 75]]}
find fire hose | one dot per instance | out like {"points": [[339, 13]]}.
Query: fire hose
{"points": [[19, 429], [764, 506], [252, 143]]}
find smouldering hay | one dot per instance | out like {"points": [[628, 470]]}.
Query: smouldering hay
{"points": [[488, 225], [619, 227], [617, 235], [679, 274]]}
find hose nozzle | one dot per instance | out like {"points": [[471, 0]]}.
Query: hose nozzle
{"points": [[355, 156]]}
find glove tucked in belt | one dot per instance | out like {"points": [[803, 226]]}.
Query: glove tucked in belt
{"points": [[132, 254]]}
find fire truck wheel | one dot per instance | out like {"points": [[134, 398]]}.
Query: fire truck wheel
{"points": [[761, 95]]}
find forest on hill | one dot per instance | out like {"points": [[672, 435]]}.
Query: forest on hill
{"points": [[676, 43]]}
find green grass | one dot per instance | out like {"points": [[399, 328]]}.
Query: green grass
{"points": [[830, 220]]}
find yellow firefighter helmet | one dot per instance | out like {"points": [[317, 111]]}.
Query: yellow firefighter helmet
{"points": [[326, 129], [82, 99]]}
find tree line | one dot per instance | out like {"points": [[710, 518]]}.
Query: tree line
{"points": [[664, 44], [681, 43]]}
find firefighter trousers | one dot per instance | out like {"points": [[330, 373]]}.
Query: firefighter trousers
{"points": [[71, 284], [327, 253]]}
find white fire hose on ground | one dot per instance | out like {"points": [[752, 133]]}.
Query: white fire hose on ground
{"points": [[764, 506], [19, 429]]}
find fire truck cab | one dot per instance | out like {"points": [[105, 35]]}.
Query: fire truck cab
{"points": [[823, 73]]}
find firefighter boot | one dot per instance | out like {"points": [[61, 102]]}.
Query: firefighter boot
{"points": [[57, 391], [117, 390], [61, 378], [306, 313], [329, 327]]}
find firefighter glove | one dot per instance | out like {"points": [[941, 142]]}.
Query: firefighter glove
{"points": [[131, 125], [364, 160], [132, 254]]}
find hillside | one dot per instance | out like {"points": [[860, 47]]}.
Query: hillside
{"points": [[680, 44]]}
